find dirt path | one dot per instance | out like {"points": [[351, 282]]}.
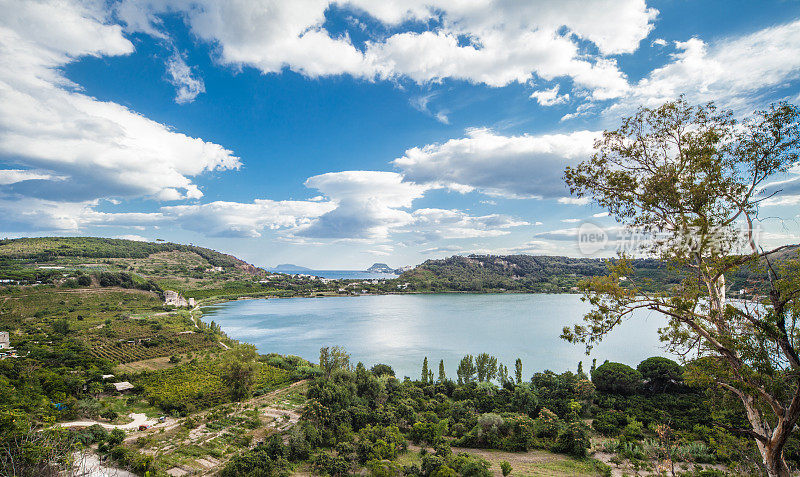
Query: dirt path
{"points": [[138, 420]]}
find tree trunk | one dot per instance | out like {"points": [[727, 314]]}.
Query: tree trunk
{"points": [[773, 460]]}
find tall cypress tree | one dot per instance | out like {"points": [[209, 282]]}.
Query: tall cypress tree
{"points": [[442, 376], [518, 370], [425, 371]]}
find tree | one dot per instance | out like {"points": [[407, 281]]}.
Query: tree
{"points": [[486, 367], [442, 375], [238, 370], [331, 359], [382, 370], [518, 370], [466, 370], [424, 377], [616, 378], [502, 373], [688, 176], [660, 372]]}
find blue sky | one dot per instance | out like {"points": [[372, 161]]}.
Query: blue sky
{"points": [[338, 134]]}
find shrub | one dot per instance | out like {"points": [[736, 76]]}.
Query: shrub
{"points": [[547, 424], [616, 378], [610, 423], [573, 440], [506, 468], [116, 437], [660, 372]]}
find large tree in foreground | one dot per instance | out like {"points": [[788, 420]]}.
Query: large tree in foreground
{"points": [[691, 179]]}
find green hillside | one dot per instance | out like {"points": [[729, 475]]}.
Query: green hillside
{"points": [[528, 273], [42, 249]]}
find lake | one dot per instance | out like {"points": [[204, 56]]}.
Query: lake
{"points": [[400, 330]]}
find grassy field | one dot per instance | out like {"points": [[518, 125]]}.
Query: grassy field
{"points": [[531, 463]]}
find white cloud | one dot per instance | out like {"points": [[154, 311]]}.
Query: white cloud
{"points": [[454, 224], [369, 204], [421, 102], [234, 219], [658, 42], [570, 221], [188, 86], [13, 176], [573, 200], [508, 41], [509, 166], [93, 149], [735, 71], [549, 97], [136, 238], [600, 214]]}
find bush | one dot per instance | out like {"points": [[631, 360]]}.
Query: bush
{"points": [[547, 424], [660, 372], [610, 423], [572, 440], [506, 468], [616, 378], [256, 462], [116, 437]]}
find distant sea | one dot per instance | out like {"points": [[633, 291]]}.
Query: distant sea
{"points": [[340, 274]]}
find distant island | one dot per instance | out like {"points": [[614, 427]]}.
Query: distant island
{"points": [[383, 268], [288, 267]]}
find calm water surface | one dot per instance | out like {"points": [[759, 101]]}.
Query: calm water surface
{"points": [[401, 330]]}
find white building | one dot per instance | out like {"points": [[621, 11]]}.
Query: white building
{"points": [[5, 340]]}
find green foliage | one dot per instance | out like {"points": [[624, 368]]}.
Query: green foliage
{"points": [[485, 367], [573, 440], [660, 372], [332, 359], [197, 385], [505, 468], [616, 378], [238, 370], [610, 423], [261, 461], [466, 370]]}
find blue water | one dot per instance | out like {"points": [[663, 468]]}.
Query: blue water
{"points": [[341, 274], [401, 330]]}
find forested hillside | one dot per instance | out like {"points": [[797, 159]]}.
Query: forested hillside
{"points": [[42, 249], [529, 273]]}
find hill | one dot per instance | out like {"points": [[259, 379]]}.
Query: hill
{"points": [[44, 249], [528, 273]]}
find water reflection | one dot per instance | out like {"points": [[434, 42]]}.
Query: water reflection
{"points": [[402, 329]]}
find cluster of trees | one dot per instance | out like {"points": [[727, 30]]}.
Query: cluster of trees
{"points": [[364, 418]]}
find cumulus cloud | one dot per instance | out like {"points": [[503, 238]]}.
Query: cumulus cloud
{"points": [[508, 41], [234, 219], [549, 97], [436, 224], [181, 76], [735, 71], [72, 148], [368, 204], [508, 166]]}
